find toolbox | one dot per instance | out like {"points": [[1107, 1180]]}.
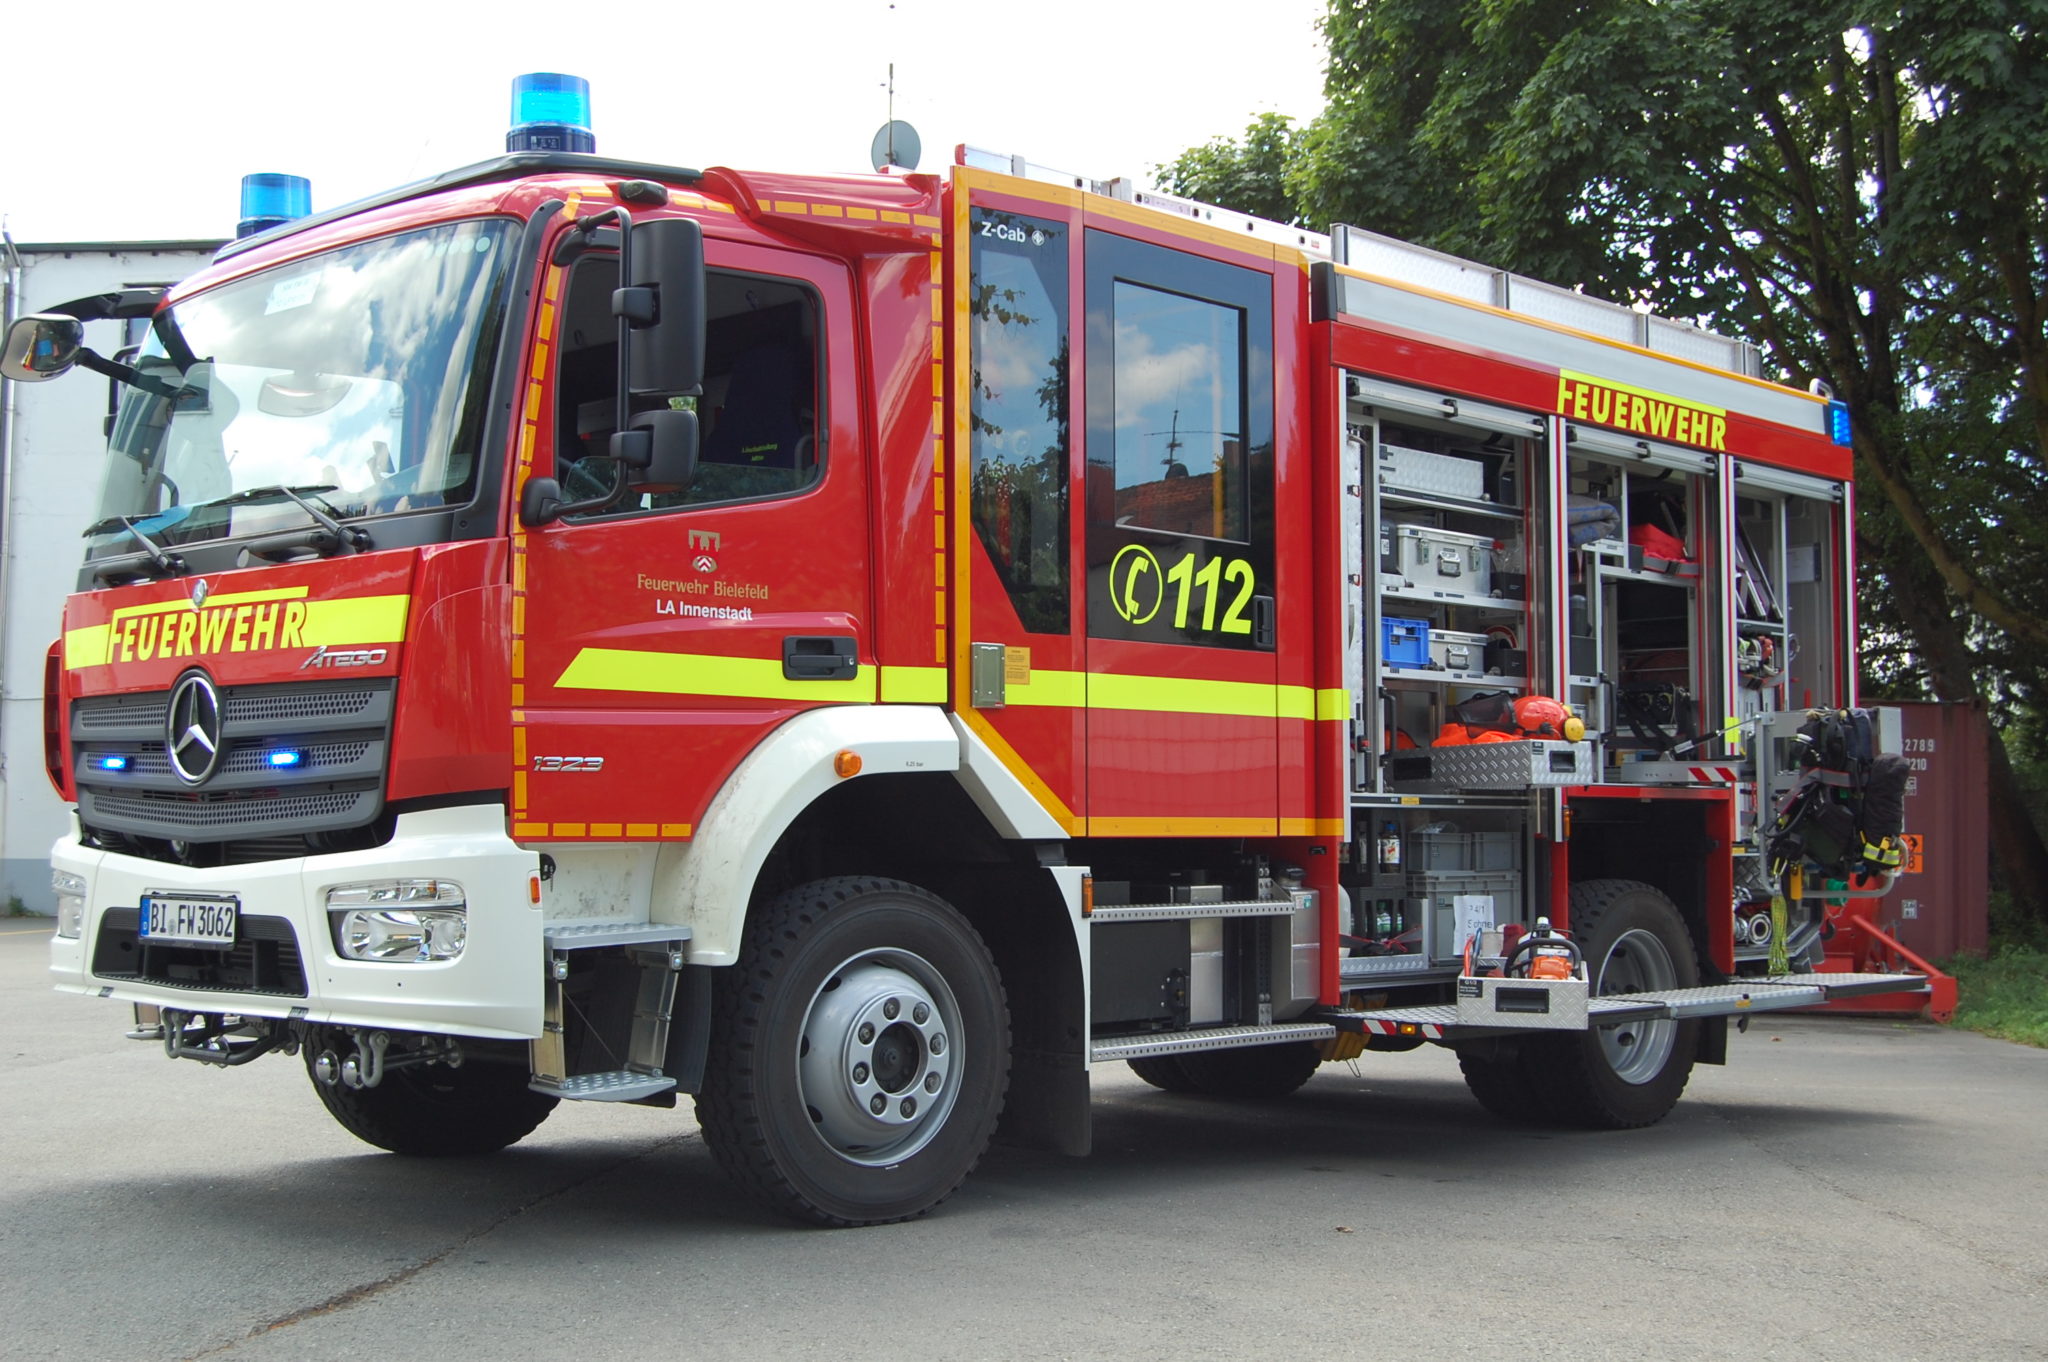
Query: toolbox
{"points": [[1455, 651], [1492, 766], [1445, 560], [1441, 475]]}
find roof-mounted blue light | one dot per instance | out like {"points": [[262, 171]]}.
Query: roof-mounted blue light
{"points": [[269, 200], [1838, 423], [550, 112]]}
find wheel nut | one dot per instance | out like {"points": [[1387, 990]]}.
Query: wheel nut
{"points": [[891, 1008], [938, 1044], [909, 1107], [878, 1104], [931, 1082], [919, 1014], [860, 1073], [867, 1033]]}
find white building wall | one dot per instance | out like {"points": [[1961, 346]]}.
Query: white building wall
{"points": [[53, 445]]}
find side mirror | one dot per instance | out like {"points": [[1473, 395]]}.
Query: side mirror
{"points": [[43, 345], [671, 447], [668, 352], [540, 502]]}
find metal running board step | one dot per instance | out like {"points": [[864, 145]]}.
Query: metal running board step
{"points": [[1437, 1021], [585, 935], [1850, 985], [1770, 993], [620, 1085], [1208, 1038], [1167, 912]]}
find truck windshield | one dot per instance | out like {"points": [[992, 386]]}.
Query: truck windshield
{"points": [[358, 375]]}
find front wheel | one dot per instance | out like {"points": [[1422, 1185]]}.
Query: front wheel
{"points": [[860, 1053], [437, 1110]]}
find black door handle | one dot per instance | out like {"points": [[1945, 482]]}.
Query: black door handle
{"points": [[819, 657]]}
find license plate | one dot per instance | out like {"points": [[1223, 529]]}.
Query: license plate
{"points": [[189, 919]]}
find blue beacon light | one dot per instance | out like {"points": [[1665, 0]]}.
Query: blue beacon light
{"points": [[269, 200], [1838, 423], [550, 112], [286, 757], [113, 763]]}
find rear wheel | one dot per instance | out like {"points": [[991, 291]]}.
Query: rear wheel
{"points": [[860, 1052], [1504, 1084], [437, 1110], [1163, 1072], [1255, 1071], [1630, 1073]]}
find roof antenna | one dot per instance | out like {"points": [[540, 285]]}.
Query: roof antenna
{"points": [[896, 144]]}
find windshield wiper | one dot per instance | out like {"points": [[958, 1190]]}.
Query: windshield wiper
{"points": [[170, 564], [331, 537]]}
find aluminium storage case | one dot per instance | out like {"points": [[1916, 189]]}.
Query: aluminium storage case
{"points": [[1443, 560]]}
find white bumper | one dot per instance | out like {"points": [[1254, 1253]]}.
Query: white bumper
{"points": [[493, 989]]}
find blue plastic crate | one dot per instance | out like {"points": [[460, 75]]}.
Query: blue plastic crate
{"points": [[1404, 643]]}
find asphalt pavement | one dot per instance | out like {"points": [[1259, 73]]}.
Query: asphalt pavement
{"points": [[1856, 1189]]}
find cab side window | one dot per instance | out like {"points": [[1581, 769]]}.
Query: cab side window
{"points": [[760, 417]]}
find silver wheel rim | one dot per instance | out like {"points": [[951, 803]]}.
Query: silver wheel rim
{"points": [[1636, 962], [878, 1062]]}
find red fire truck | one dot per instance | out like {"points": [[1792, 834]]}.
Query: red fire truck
{"points": [[866, 650]]}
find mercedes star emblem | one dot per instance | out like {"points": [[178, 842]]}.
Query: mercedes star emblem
{"points": [[192, 728]]}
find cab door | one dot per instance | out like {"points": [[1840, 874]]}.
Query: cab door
{"points": [[1183, 699], [1021, 647], [656, 643]]}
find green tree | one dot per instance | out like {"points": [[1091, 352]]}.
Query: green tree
{"points": [[1860, 187]]}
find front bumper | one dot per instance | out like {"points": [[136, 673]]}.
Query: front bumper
{"points": [[493, 989]]}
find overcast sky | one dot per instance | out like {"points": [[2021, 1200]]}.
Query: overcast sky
{"points": [[137, 122]]}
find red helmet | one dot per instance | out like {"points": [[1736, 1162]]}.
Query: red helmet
{"points": [[1540, 716]]}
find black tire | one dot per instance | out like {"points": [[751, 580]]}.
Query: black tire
{"points": [[1163, 1072], [436, 1111], [1255, 1071], [847, 991], [1629, 1074], [1504, 1085]]}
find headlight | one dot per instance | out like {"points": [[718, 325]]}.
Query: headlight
{"points": [[70, 902], [399, 921]]}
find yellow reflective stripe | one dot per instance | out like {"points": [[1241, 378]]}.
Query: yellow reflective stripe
{"points": [[1054, 689], [1181, 827], [761, 678], [752, 678], [914, 685], [1180, 695], [353, 619], [335, 623], [221, 602], [1311, 827], [87, 647]]}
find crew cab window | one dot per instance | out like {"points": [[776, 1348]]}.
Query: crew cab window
{"points": [[760, 417], [1180, 445]]}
